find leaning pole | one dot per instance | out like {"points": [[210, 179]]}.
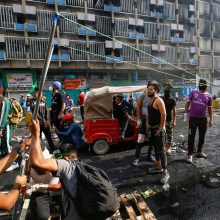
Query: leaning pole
{"points": [[21, 206]]}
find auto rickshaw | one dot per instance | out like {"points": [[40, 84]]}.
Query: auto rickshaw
{"points": [[101, 129]]}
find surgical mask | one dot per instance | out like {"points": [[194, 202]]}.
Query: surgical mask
{"points": [[51, 88]]}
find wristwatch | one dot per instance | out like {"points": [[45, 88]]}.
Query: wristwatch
{"points": [[18, 149]]}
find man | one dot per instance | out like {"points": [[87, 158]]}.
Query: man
{"points": [[156, 119], [69, 104], [7, 201], [6, 128], [141, 110], [170, 105], [122, 110], [199, 101], [64, 169], [81, 100], [43, 118], [58, 104], [71, 133], [28, 103]]}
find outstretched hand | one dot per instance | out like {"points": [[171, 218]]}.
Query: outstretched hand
{"points": [[35, 128], [26, 143]]}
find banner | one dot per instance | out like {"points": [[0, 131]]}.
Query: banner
{"points": [[74, 83], [18, 80]]}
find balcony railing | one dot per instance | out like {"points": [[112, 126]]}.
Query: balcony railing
{"points": [[155, 14], [85, 31], [134, 35], [176, 40], [59, 2], [63, 57], [158, 61], [114, 59], [28, 27], [112, 8], [2, 55]]}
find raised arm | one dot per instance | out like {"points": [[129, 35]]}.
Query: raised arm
{"points": [[37, 159]]}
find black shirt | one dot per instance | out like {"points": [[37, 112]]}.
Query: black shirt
{"points": [[153, 115], [119, 111], [169, 102], [57, 102]]}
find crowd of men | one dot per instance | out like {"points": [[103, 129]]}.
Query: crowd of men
{"points": [[155, 118]]}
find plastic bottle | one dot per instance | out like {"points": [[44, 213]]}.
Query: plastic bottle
{"points": [[185, 116]]}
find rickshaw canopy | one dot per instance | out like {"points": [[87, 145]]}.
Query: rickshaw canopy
{"points": [[98, 103]]}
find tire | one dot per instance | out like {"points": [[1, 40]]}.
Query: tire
{"points": [[100, 147]]}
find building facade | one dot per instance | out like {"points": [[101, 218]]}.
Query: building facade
{"points": [[184, 33]]}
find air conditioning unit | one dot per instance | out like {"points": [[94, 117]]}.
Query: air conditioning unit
{"points": [[192, 50]]}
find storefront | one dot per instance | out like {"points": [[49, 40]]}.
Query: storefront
{"points": [[18, 82]]}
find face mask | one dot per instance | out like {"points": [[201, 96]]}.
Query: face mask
{"points": [[51, 88]]}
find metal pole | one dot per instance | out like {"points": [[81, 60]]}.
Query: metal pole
{"points": [[46, 64], [25, 161]]}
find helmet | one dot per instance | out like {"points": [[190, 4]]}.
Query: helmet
{"points": [[57, 84], [68, 117], [28, 95]]}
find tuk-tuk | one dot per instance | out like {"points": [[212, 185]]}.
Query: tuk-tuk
{"points": [[101, 129]]}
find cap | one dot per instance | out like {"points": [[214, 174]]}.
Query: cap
{"points": [[28, 95], [68, 117]]}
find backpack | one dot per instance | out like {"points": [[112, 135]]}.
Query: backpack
{"points": [[17, 113], [96, 198]]}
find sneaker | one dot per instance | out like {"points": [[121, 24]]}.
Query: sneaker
{"points": [[201, 155], [135, 162], [189, 159], [12, 167], [150, 158], [155, 169], [165, 177]]}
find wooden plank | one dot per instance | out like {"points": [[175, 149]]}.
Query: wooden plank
{"points": [[142, 207], [117, 216], [128, 207]]}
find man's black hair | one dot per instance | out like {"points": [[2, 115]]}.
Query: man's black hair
{"points": [[154, 84], [202, 84]]}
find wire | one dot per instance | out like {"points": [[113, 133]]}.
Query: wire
{"points": [[128, 45], [119, 60]]}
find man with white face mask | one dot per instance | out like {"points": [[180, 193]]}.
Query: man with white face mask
{"points": [[58, 104]]}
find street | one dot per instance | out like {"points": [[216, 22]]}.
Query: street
{"points": [[190, 177]]}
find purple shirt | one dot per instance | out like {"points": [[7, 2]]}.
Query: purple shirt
{"points": [[199, 103]]}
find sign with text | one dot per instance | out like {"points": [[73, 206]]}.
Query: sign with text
{"points": [[18, 80], [75, 83]]}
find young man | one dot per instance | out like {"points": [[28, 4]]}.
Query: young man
{"points": [[64, 169], [58, 104], [199, 101], [81, 100], [71, 133], [6, 128], [156, 119], [43, 117], [7, 201], [170, 105], [141, 110]]}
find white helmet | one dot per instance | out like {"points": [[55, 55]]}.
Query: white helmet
{"points": [[28, 95]]}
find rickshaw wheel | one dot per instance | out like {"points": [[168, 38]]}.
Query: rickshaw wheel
{"points": [[100, 147]]}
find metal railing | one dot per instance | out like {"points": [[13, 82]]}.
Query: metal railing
{"points": [[104, 25], [6, 17], [38, 48], [184, 55], [129, 54], [143, 7], [127, 6], [45, 20], [165, 32], [121, 27], [144, 57], [169, 10], [150, 30], [80, 52], [97, 48]]}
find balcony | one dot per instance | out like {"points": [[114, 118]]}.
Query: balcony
{"points": [[177, 28], [177, 40], [112, 8], [193, 62], [85, 31], [28, 27], [59, 2], [133, 35], [157, 61], [2, 55], [63, 57], [114, 59]]}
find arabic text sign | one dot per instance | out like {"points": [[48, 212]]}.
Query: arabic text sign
{"points": [[19, 80], [75, 83]]}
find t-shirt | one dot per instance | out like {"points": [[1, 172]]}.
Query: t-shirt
{"points": [[145, 103], [170, 103], [57, 102], [199, 103], [81, 98], [66, 172]]}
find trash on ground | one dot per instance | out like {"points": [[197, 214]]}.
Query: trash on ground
{"points": [[213, 182], [148, 193]]}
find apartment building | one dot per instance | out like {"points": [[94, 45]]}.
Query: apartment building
{"points": [[184, 33]]}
